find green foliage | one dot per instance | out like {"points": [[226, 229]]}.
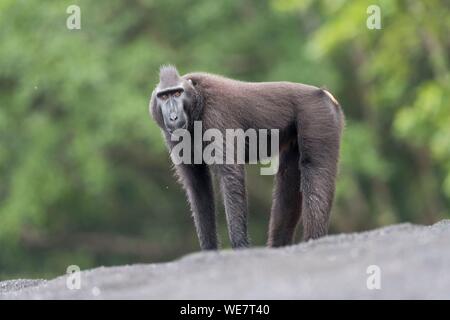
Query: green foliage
{"points": [[84, 175]]}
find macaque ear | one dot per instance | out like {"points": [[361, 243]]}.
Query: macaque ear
{"points": [[192, 82]]}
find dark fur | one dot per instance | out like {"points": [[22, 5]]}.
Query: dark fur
{"points": [[310, 124]]}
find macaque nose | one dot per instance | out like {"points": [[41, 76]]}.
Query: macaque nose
{"points": [[173, 116]]}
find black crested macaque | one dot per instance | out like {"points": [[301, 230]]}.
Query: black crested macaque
{"points": [[310, 123]]}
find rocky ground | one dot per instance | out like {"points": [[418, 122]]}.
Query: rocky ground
{"points": [[411, 262]]}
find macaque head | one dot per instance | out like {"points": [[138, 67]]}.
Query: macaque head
{"points": [[173, 99]]}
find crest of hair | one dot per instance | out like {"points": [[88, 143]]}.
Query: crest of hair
{"points": [[168, 75]]}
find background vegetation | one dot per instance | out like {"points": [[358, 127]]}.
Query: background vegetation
{"points": [[84, 175]]}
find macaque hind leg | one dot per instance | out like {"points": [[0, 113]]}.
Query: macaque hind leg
{"points": [[287, 198], [319, 140], [318, 186]]}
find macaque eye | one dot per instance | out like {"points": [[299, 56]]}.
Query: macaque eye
{"points": [[164, 97], [177, 93]]}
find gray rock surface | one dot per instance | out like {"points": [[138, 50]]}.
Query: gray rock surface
{"points": [[414, 263]]}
